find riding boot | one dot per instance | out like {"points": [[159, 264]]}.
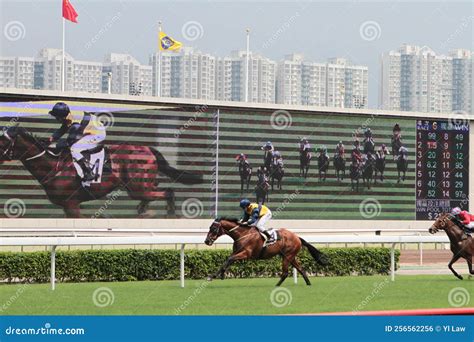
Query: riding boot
{"points": [[269, 238], [88, 176]]}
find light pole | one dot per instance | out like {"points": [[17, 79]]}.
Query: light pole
{"points": [[247, 66], [109, 83]]}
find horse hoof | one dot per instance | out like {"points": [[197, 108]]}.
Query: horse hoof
{"points": [[209, 278]]}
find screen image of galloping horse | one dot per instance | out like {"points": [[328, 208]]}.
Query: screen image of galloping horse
{"points": [[137, 180]]}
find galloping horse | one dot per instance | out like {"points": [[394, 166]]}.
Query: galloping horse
{"points": [[369, 146], [277, 173], [248, 244], [461, 245], [133, 167], [368, 170], [402, 166], [262, 187], [245, 172], [355, 171], [323, 165], [305, 160], [267, 159], [379, 166], [396, 144], [340, 166]]}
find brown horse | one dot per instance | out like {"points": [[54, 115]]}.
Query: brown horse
{"points": [[133, 168], [248, 244], [461, 246]]}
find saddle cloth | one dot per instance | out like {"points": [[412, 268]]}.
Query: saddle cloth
{"points": [[273, 233], [96, 160]]}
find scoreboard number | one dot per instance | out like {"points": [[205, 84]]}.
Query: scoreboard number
{"points": [[442, 167]]}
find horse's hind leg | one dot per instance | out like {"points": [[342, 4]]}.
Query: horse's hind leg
{"points": [[469, 264], [300, 269], [72, 210], [284, 270], [450, 265]]}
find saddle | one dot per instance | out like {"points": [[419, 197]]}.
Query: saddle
{"points": [[274, 234]]}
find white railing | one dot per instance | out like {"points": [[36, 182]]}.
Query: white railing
{"points": [[58, 241]]}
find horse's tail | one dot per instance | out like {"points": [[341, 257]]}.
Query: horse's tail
{"points": [[315, 253], [176, 175]]}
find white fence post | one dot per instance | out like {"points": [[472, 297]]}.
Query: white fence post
{"points": [[392, 262], [181, 265], [53, 267], [295, 275]]}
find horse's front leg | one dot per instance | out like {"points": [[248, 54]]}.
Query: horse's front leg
{"points": [[450, 265], [230, 260], [72, 210]]}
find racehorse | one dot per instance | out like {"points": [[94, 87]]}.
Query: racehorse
{"points": [[396, 144], [245, 172], [132, 167], [461, 245], [368, 170], [369, 146], [340, 166], [323, 165], [268, 159], [379, 166], [248, 244], [262, 187], [402, 166], [277, 173], [305, 160], [355, 173]]}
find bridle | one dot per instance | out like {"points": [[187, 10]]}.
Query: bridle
{"points": [[8, 152], [216, 228]]}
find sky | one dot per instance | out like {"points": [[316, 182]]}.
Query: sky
{"points": [[358, 31]]}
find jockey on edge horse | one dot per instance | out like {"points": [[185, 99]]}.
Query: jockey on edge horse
{"points": [[465, 218], [257, 215], [85, 132]]}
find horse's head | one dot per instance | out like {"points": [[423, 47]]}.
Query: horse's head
{"points": [[441, 223], [9, 142], [215, 231]]}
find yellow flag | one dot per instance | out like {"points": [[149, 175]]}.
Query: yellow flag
{"points": [[167, 43]]}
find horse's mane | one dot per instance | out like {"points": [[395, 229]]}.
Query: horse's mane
{"points": [[226, 218], [17, 130]]}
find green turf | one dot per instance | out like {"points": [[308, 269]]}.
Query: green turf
{"points": [[234, 296]]}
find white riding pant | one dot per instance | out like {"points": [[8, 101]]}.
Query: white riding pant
{"points": [[87, 142], [470, 225], [260, 224]]}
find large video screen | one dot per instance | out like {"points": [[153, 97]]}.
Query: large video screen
{"points": [[199, 162]]}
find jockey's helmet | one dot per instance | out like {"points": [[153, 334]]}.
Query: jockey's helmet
{"points": [[456, 211], [60, 110], [244, 203]]}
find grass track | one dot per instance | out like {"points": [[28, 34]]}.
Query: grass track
{"points": [[234, 296]]}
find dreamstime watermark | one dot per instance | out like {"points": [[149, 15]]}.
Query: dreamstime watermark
{"points": [[281, 119], [459, 297], [13, 298], [375, 291], [14, 30], [370, 30], [107, 26], [282, 29], [288, 199], [111, 199], [361, 129], [199, 111], [188, 301], [459, 119], [14, 208], [463, 26], [192, 30], [192, 208], [281, 297], [102, 297], [370, 208], [107, 118]]}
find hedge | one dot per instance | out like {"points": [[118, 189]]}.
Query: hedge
{"points": [[140, 264]]}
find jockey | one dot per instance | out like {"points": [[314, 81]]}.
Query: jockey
{"points": [[465, 218], [277, 158], [268, 146], [397, 131], [257, 215], [340, 150], [323, 150], [383, 151], [368, 135], [85, 131], [242, 160], [403, 151], [304, 144], [356, 154]]}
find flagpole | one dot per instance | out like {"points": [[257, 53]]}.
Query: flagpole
{"points": [[247, 67], [158, 90], [63, 72]]}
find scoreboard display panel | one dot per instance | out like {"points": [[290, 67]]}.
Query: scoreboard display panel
{"points": [[442, 167]]}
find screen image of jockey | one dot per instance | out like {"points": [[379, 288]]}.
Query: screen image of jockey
{"points": [[85, 132], [257, 215], [465, 218]]}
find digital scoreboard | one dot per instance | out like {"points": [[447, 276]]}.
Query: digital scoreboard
{"points": [[442, 167]]}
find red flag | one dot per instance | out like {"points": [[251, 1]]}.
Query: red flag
{"points": [[69, 12]]}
